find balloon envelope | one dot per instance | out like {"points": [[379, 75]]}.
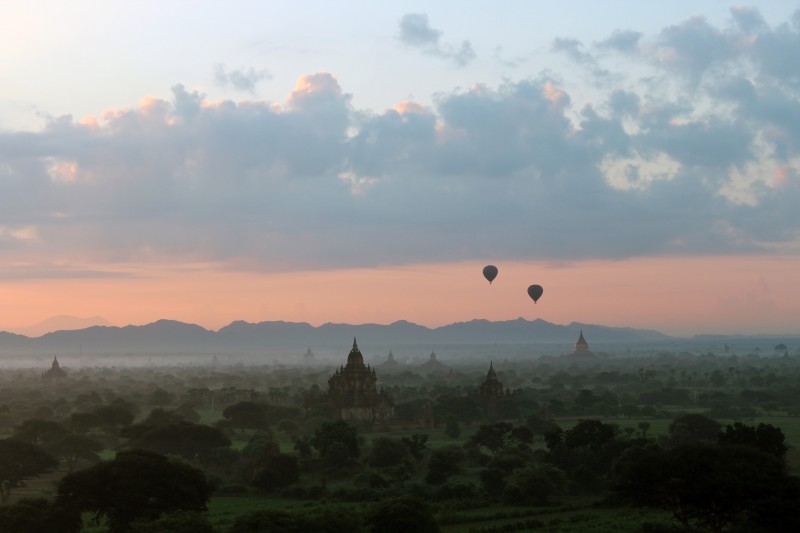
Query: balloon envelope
{"points": [[535, 292], [490, 272]]}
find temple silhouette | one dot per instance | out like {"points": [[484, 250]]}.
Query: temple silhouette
{"points": [[353, 392]]}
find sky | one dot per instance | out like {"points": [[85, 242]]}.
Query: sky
{"points": [[361, 162]]}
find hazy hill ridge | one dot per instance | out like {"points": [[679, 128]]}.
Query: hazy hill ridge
{"points": [[170, 336]]}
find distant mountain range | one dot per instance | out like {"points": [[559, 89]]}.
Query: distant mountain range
{"points": [[173, 337], [287, 341], [61, 322]]}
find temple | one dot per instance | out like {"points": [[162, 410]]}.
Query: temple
{"points": [[581, 348], [490, 391], [390, 363], [353, 391], [432, 365], [55, 371]]}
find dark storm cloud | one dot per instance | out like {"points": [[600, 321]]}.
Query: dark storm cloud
{"points": [[702, 157], [416, 32]]}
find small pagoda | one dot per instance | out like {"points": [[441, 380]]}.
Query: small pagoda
{"points": [[390, 363], [490, 391], [55, 372], [581, 348]]}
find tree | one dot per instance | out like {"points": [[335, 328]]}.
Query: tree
{"points": [[72, 449], [261, 446], [190, 441], [451, 428], [39, 432], [83, 422], [161, 397], [586, 452], [401, 515], [711, 486], [693, 428], [444, 462], [114, 415], [278, 471], [591, 434], [493, 481], [765, 437], [387, 452], [492, 436], [416, 444], [340, 432], [245, 415], [38, 515], [20, 461], [536, 484], [540, 425], [137, 484]]}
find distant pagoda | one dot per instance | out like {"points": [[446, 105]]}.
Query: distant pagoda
{"points": [[353, 391], [432, 364], [581, 348], [55, 372], [490, 391], [390, 363], [308, 357]]}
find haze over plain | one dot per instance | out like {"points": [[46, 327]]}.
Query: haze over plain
{"points": [[638, 161]]}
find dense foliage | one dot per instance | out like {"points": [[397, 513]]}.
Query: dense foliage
{"points": [[694, 440]]}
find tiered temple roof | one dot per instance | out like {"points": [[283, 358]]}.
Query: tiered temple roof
{"points": [[353, 391]]}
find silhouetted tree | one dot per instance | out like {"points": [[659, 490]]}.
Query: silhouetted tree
{"points": [[20, 461], [711, 486], [73, 449], [693, 428], [187, 440], [444, 462], [115, 415], [340, 432], [38, 515], [39, 432], [137, 484], [277, 472], [765, 437], [492, 436], [387, 452], [417, 443], [536, 484], [401, 515], [245, 415]]}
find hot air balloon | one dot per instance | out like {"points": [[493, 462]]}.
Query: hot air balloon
{"points": [[535, 292], [490, 272]]}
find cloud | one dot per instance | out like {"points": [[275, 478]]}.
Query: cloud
{"points": [[622, 41], [698, 155], [573, 49], [416, 32], [240, 79]]}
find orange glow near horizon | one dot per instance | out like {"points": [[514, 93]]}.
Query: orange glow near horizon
{"points": [[678, 296]]}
